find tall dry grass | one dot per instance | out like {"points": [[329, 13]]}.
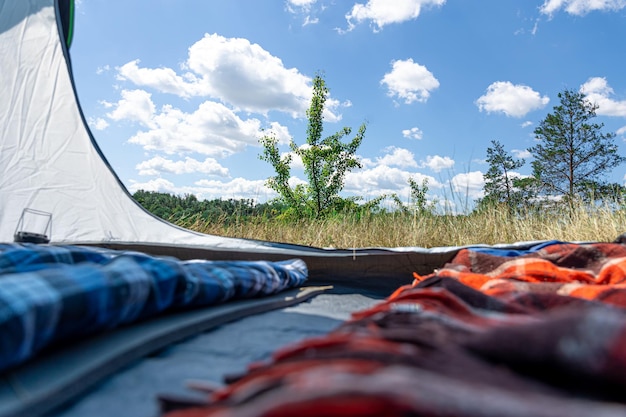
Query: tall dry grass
{"points": [[492, 226]]}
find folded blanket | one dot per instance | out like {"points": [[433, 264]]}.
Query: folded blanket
{"points": [[50, 294], [592, 271], [536, 333]]}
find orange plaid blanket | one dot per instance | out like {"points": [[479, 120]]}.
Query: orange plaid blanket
{"points": [[591, 271], [542, 333]]}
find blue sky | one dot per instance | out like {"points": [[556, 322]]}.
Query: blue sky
{"points": [[177, 92]]}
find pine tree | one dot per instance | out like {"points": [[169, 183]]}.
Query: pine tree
{"points": [[572, 152], [501, 183]]}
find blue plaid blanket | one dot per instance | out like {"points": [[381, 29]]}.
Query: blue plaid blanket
{"points": [[52, 293]]}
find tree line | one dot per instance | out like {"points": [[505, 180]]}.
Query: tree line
{"points": [[177, 209]]}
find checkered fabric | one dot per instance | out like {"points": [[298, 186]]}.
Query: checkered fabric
{"points": [[50, 294]]}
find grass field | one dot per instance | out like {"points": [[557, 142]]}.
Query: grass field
{"points": [[492, 226]]}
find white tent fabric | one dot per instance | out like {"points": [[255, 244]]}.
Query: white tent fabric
{"points": [[49, 161]]}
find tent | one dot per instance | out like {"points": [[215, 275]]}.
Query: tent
{"points": [[56, 187]]}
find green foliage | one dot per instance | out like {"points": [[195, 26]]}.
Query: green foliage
{"points": [[501, 185], [176, 209], [604, 193], [326, 162], [572, 152], [418, 202]]}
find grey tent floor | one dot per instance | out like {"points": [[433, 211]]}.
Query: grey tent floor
{"points": [[212, 355]]}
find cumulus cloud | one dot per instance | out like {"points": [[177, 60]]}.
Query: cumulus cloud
{"points": [[164, 80], [521, 153], [409, 81], [470, 183], [413, 133], [387, 174], [437, 163], [383, 179], [98, 123], [212, 129], [160, 185], [510, 99], [135, 105], [234, 71], [384, 12], [303, 7], [247, 76], [580, 7], [279, 131], [621, 131], [103, 69], [399, 157], [236, 188], [301, 3], [599, 92], [159, 165]]}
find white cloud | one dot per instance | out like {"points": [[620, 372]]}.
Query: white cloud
{"points": [[210, 189], [98, 123], [303, 7], [413, 133], [301, 3], [158, 165], [383, 179], [247, 76], [580, 7], [213, 129], [236, 72], [331, 108], [164, 80], [295, 181], [103, 69], [621, 131], [157, 185], [409, 81], [236, 188], [397, 157], [512, 100], [470, 184], [527, 123], [135, 105], [296, 161], [386, 175], [279, 131], [521, 153], [385, 12], [437, 163], [308, 20], [598, 91]]}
